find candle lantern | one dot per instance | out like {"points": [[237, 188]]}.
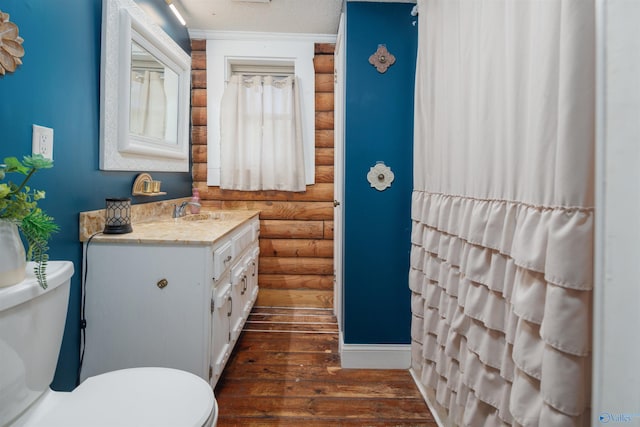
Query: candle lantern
{"points": [[118, 216]]}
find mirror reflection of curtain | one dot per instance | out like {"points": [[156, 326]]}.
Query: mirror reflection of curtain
{"points": [[261, 135], [148, 104], [503, 210], [171, 84]]}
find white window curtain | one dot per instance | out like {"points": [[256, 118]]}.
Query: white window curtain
{"points": [[502, 239], [261, 135]]}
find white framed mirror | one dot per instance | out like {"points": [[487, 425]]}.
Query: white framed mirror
{"points": [[144, 93]]}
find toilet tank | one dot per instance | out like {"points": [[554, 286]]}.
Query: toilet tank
{"points": [[31, 326]]}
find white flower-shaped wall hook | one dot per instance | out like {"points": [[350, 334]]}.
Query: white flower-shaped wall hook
{"points": [[380, 176]]}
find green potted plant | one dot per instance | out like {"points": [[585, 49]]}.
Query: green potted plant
{"points": [[19, 211]]}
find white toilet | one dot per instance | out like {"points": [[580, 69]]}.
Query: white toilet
{"points": [[31, 327]]}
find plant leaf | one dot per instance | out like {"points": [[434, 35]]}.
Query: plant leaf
{"points": [[37, 161], [4, 190], [37, 228], [14, 165]]}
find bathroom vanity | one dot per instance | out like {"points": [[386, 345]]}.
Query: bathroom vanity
{"points": [[173, 293]]}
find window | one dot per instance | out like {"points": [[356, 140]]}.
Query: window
{"points": [[249, 56], [261, 134]]}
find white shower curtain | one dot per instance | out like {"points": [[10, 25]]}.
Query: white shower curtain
{"points": [[148, 104], [261, 135], [502, 240]]}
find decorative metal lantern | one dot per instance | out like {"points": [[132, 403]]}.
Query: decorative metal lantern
{"points": [[118, 216]]}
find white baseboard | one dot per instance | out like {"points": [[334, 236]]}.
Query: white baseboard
{"points": [[439, 414], [375, 356]]}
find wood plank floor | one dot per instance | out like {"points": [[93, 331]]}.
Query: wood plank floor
{"points": [[285, 371]]}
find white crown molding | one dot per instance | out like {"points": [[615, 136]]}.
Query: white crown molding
{"points": [[254, 35]]}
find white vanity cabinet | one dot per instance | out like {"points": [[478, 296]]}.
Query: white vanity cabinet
{"points": [[171, 304]]}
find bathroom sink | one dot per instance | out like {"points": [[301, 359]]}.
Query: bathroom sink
{"points": [[207, 216], [197, 217]]}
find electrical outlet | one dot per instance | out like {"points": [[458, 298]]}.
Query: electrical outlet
{"points": [[42, 141]]}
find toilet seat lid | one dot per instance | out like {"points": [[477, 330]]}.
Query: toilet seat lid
{"points": [[136, 397]]}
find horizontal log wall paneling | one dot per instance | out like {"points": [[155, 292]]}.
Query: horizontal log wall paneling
{"points": [[296, 229]]}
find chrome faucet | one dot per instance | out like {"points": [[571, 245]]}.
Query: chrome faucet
{"points": [[178, 211]]}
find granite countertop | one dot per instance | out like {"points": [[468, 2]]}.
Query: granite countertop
{"points": [[161, 228]]}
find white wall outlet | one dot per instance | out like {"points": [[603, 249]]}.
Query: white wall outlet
{"points": [[42, 141]]}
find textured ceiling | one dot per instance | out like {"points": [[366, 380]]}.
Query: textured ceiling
{"points": [[280, 16]]}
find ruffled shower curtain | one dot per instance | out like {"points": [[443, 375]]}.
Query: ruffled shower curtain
{"points": [[502, 239], [261, 135]]}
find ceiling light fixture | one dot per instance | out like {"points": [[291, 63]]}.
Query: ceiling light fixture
{"points": [[175, 12]]}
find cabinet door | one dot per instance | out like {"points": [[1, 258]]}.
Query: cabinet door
{"points": [[221, 328], [238, 284], [249, 285], [253, 275], [147, 306]]}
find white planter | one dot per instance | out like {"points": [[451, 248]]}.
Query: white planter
{"points": [[13, 260]]}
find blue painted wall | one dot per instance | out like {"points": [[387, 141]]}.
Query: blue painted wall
{"points": [[58, 86], [379, 127]]}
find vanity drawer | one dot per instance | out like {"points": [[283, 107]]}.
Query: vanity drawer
{"points": [[256, 228], [242, 240], [222, 259]]}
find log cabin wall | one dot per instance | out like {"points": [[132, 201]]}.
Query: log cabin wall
{"points": [[296, 229]]}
